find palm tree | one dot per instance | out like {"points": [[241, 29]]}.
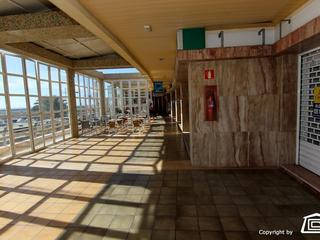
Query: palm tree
{"points": [[45, 105]]}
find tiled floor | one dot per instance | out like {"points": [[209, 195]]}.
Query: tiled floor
{"points": [[141, 186]]}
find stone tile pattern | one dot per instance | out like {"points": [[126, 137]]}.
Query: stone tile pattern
{"points": [[256, 116], [225, 53], [304, 38], [43, 198]]}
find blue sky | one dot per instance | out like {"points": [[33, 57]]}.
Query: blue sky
{"points": [[118, 70]]}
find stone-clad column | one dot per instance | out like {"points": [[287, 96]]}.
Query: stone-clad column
{"points": [[72, 104]]}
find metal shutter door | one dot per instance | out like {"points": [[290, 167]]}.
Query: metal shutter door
{"points": [[309, 129]]}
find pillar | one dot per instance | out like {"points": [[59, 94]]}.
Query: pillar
{"points": [[72, 104]]}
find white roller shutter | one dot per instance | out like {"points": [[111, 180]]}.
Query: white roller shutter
{"points": [[309, 126]]}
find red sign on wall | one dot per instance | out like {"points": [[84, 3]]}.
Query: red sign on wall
{"points": [[209, 74]]}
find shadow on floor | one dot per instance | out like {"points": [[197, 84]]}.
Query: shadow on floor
{"points": [[141, 186]]}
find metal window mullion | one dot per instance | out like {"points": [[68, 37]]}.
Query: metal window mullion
{"points": [[139, 97], [61, 104], [77, 76], [85, 96], [98, 98], [113, 100], [147, 100], [26, 90], [130, 98], [51, 106], [7, 97], [89, 97], [68, 91], [92, 102], [40, 102], [15, 74]]}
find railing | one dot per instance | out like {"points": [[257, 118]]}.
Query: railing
{"points": [[22, 133]]}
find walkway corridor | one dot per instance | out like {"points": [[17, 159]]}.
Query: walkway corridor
{"points": [[142, 186]]}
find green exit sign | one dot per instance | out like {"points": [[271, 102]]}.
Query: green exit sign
{"points": [[194, 38]]}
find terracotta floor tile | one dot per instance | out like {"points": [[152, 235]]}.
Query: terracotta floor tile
{"points": [[141, 186]]}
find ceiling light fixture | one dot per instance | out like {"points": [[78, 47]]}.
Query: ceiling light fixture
{"points": [[147, 28]]}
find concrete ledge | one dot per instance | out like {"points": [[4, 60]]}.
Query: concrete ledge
{"points": [[304, 176]]}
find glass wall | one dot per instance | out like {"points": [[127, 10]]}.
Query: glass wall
{"points": [[108, 99], [127, 97], [33, 105], [87, 99], [5, 141]]}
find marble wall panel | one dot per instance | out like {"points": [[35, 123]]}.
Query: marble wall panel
{"points": [[299, 36], [287, 147], [288, 112], [263, 113], [287, 73], [225, 53], [232, 116], [256, 115], [232, 150], [261, 77], [232, 82], [263, 149]]}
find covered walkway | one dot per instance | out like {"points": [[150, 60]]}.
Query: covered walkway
{"points": [[142, 186]]}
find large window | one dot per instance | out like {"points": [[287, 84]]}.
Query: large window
{"points": [[108, 99], [33, 105], [87, 99], [127, 97]]}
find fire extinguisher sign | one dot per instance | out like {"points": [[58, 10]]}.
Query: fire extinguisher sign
{"points": [[209, 74]]}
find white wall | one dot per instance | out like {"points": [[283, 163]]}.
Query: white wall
{"points": [[300, 17], [236, 37], [249, 36]]}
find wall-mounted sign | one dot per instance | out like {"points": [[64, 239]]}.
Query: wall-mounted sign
{"points": [[316, 102], [209, 74], [316, 95], [210, 103], [158, 87]]}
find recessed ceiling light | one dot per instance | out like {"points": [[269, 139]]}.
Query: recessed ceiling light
{"points": [[147, 28]]}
